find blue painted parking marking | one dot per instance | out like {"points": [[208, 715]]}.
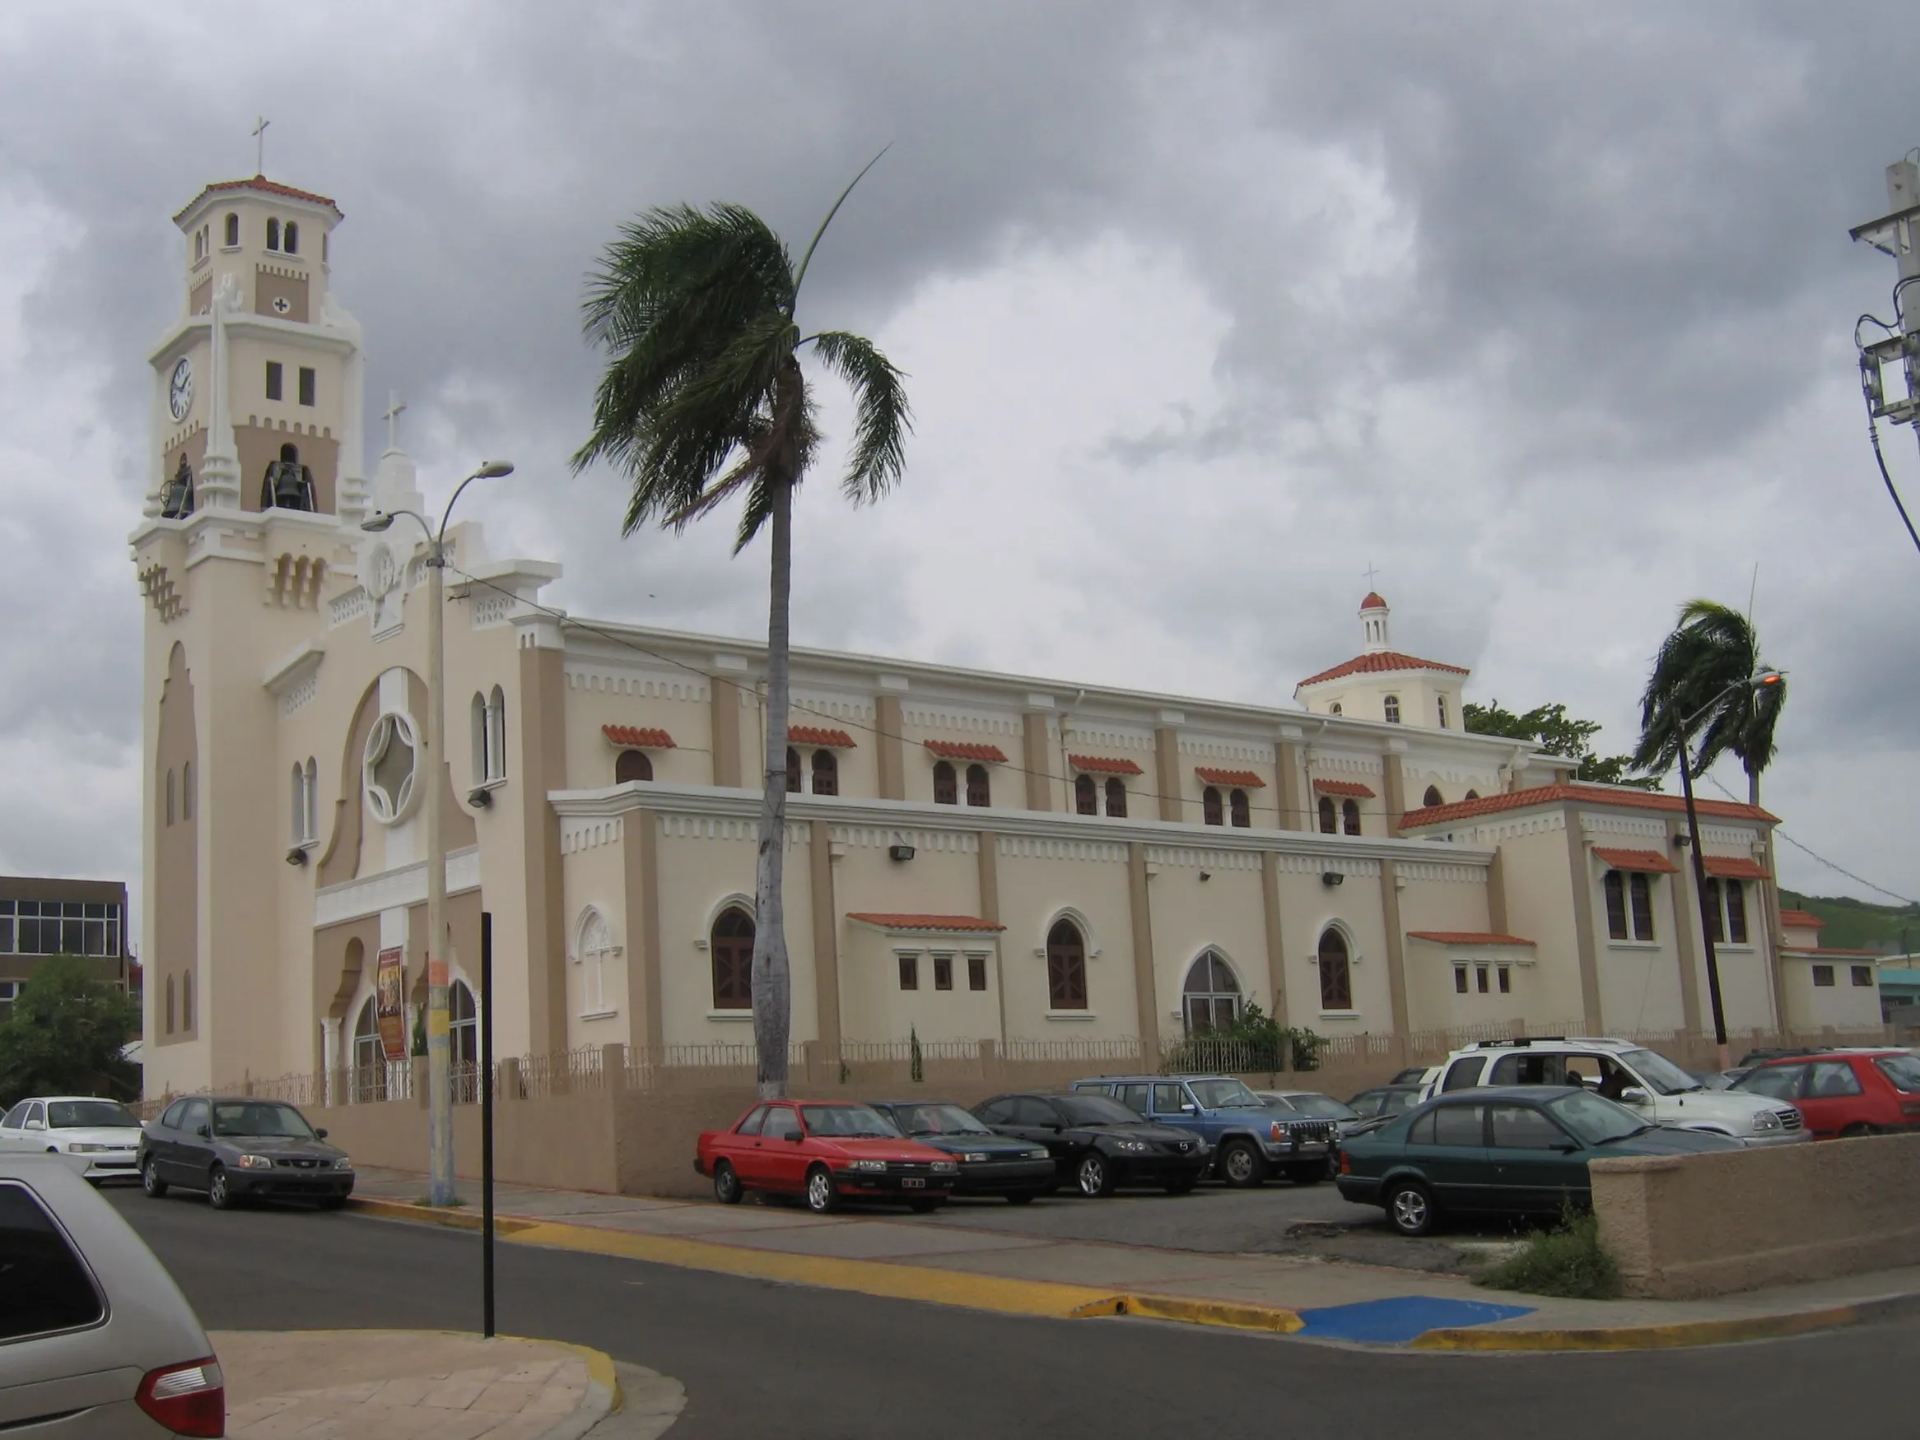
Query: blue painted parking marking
{"points": [[1401, 1319]]}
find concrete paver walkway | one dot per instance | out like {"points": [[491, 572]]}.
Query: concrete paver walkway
{"points": [[409, 1385], [883, 1254]]}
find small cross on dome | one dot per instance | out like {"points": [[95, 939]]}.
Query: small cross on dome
{"points": [[392, 416]]}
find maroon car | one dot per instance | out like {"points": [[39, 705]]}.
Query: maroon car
{"points": [[829, 1151]]}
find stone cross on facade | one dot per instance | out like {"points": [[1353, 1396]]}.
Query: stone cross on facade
{"points": [[395, 405]]}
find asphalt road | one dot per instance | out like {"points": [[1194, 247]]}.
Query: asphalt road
{"points": [[764, 1360]]}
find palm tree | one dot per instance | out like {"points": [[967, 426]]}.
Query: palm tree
{"points": [[1697, 675], [704, 399]]}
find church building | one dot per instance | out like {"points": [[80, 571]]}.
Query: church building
{"points": [[971, 856]]}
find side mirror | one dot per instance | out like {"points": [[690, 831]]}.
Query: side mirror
{"points": [[1634, 1095], [205, 1132], [1189, 1108], [321, 1133], [36, 1125], [793, 1137]]}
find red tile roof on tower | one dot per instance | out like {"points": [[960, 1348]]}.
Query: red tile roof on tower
{"points": [[639, 737], [1733, 867], [966, 750], [1651, 861], [1466, 937], [1381, 662], [1801, 920], [1622, 798], [1104, 765], [265, 187], [1374, 601], [1244, 778], [1343, 787], [815, 735], [926, 922]]}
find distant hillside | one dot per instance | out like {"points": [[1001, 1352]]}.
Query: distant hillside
{"points": [[1860, 925]]}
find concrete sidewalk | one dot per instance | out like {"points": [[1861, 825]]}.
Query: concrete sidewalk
{"points": [[882, 1253], [410, 1385]]}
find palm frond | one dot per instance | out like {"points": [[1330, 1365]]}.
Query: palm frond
{"points": [[814, 244], [883, 419]]}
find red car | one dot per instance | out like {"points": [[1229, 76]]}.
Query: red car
{"points": [[827, 1151], [1844, 1093]]}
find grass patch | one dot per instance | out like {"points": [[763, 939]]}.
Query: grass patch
{"points": [[1568, 1261]]}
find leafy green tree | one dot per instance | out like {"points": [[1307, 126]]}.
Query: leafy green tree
{"points": [[1556, 732], [704, 400], [64, 1033], [1699, 673]]}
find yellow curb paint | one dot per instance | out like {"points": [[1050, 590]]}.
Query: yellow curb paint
{"points": [[457, 1219], [599, 1364], [1270, 1318], [1643, 1337]]}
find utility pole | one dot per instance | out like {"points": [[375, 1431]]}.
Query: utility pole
{"points": [[1896, 233]]}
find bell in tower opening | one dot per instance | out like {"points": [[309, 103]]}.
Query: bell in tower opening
{"points": [[287, 485], [176, 502]]}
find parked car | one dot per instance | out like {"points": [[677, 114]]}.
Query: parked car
{"points": [[828, 1152], [1414, 1075], [1498, 1150], [1099, 1145], [1312, 1105], [990, 1164], [1631, 1074], [95, 1338], [1249, 1142], [104, 1131], [1714, 1079], [237, 1148], [1844, 1093], [1384, 1102]]}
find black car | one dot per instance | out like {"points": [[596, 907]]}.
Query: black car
{"points": [[236, 1147], [1098, 1144], [990, 1164]]}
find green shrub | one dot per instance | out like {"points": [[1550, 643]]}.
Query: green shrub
{"points": [[1567, 1261], [1256, 1043]]}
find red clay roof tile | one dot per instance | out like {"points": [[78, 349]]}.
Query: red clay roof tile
{"points": [[967, 750], [1244, 778], [1374, 601], [1649, 860], [1378, 663], [1344, 787], [1103, 765], [1625, 799], [265, 186], [816, 735], [1734, 867], [926, 922], [1802, 920], [1466, 937], [638, 737]]}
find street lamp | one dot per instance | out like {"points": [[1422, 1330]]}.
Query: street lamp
{"points": [[440, 1189], [1759, 680]]}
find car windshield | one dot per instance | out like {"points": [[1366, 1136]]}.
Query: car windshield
{"points": [[1096, 1110], [1322, 1107], [259, 1117], [1902, 1070], [1224, 1095], [1662, 1074], [1398, 1102], [88, 1114], [1594, 1118], [859, 1122], [937, 1120]]}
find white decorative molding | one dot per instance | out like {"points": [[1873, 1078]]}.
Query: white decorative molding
{"points": [[1739, 838], [348, 606], [640, 684], [1246, 753], [1439, 873], [955, 842], [1104, 735], [810, 707], [710, 827], [952, 718], [1195, 858], [490, 610], [1033, 847], [293, 678], [577, 834], [1592, 824], [393, 889], [1352, 868]]}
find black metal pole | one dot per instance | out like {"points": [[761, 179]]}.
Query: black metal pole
{"points": [[1706, 912], [486, 1121]]}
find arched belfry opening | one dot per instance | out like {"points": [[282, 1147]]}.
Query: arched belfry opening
{"points": [[288, 484]]}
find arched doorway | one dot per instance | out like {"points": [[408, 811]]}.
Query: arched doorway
{"points": [[1210, 999], [463, 1037], [369, 1060]]}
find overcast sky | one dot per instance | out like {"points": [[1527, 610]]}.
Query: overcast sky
{"points": [[1544, 310]]}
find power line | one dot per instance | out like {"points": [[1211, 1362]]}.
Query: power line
{"points": [[1715, 781]]}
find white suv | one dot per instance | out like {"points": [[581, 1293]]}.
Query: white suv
{"points": [[1629, 1073]]}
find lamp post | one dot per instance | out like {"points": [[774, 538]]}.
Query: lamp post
{"points": [[1756, 681], [440, 1189]]}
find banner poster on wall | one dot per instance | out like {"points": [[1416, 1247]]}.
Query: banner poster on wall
{"points": [[390, 994]]}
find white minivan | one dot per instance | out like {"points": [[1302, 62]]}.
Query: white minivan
{"points": [[1629, 1073]]}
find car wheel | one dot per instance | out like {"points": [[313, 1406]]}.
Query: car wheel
{"points": [[1410, 1208], [1024, 1197], [727, 1188], [1094, 1174], [823, 1198], [1307, 1174], [1242, 1166], [150, 1180], [1182, 1187], [219, 1193], [1854, 1132]]}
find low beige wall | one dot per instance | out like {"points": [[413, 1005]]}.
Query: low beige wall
{"points": [[1686, 1227], [566, 1141]]}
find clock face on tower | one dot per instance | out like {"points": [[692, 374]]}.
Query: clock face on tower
{"points": [[180, 389]]}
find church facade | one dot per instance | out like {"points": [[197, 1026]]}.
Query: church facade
{"points": [[971, 856]]}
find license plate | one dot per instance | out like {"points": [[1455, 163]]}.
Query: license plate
{"points": [[913, 1184]]}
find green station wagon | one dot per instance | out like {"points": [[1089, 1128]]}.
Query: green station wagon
{"points": [[1513, 1151]]}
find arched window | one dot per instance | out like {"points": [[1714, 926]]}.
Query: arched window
{"points": [[1336, 971], [291, 239], [979, 790], [1066, 967], [946, 785], [199, 246], [1240, 810], [1116, 797], [369, 1061], [169, 1004], [497, 734], [1640, 896], [1441, 704], [1334, 709], [793, 771], [273, 234], [1716, 913], [1350, 816], [1210, 999], [1432, 797], [826, 773], [1086, 799], [186, 790], [186, 1001], [463, 1040], [1210, 810], [1393, 709], [1615, 889], [1329, 822], [169, 797], [592, 946], [632, 765], [1473, 795], [233, 230], [477, 723], [1736, 894], [297, 804], [732, 945]]}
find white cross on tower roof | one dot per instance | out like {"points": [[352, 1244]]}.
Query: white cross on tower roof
{"points": [[392, 416]]}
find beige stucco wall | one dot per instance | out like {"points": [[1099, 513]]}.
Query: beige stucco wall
{"points": [[1539, 901], [1041, 880], [1683, 1228], [1840, 1006]]}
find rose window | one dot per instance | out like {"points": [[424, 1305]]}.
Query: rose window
{"points": [[389, 767]]}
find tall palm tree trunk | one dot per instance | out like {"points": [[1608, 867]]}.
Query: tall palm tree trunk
{"points": [[771, 979]]}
